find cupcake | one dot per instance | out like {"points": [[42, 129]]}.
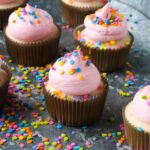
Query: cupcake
{"points": [[31, 36], [6, 8], [75, 91], [136, 117], [5, 76], [74, 11], [105, 38]]}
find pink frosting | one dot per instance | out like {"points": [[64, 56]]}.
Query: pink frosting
{"points": [[71, 84], [6, 1], [141, 104], [99, 32], [30, 24]]}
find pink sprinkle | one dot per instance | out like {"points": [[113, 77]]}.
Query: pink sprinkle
{"points": [[69, 147], [87, 143], [7, 135], [22, 145], [51, 122], [148, 102]]}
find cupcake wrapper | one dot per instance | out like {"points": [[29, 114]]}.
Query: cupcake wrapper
{"points": [[105, 60], [75, 15], [33, 53], [138, 140], [75, 113], [3, 93], [4, 88], [4, 14]]}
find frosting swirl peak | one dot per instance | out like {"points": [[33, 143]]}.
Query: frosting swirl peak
{"points": [[30, 24], [74, 74]]}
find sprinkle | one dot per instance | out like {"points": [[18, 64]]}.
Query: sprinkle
{"points": [[74, 53], [80, 77], [38, 21], [78, 70], [144, 97], [139, 129], [71, 62], [59, 126], [148, 102], [62, 72], [112, 42]]}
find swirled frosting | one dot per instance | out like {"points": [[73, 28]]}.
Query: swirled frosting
{"points": [[141, 104], [30, 24], [6, 1], [74, 74], [106, 26]]}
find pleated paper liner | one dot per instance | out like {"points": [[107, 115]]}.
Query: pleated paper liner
{"points": [[37, 53], [105, 60], [75, 113], [138, 140], [74, 16], [4, 88], [4, 14]]}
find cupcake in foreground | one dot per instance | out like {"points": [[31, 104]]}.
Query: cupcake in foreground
{"points": [[136, 117], [74, 11], [5, 76], [31, 36], [75, 91], [6, 8], [105, 38]]}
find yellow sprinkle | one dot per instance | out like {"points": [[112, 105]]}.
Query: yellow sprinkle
{"points": [[78, 47], [80, 77], [61, 63], [69, 98], [127, 43], [62, 72], [112, 42]]}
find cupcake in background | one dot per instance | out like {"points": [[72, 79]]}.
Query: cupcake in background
{"points": [[5, 76], [32, 37], [75, 91], [136, 117], [74, 11], [105, 38], [6, 8]]}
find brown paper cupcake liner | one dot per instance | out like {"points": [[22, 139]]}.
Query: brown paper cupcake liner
{"points": [[4, 88], [37, 53], [4, 14], [75, 113], [105, 60], [138, 140], [74, 16]]}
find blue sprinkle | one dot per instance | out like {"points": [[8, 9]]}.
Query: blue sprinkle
{"points": [[59, 126], [139, 129], [31, 12], [78, 69], [71, 62], [107, 21], [35, 17], [76, 147], [74, 53], [35, 6], [99, 43], [47, 15], [88, 63]]}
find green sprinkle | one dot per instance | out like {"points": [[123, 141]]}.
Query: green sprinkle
{"points": [[144, 97]]}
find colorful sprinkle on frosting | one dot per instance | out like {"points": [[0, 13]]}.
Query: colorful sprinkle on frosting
{"points": [[75, 76]]}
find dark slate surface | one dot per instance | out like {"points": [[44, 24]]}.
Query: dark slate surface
{"points": [[139, 59]]}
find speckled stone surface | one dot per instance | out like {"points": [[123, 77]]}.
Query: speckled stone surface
{"points": [[139, 25]]}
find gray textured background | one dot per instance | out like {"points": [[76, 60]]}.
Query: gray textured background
{"points": [[139, 59]]}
